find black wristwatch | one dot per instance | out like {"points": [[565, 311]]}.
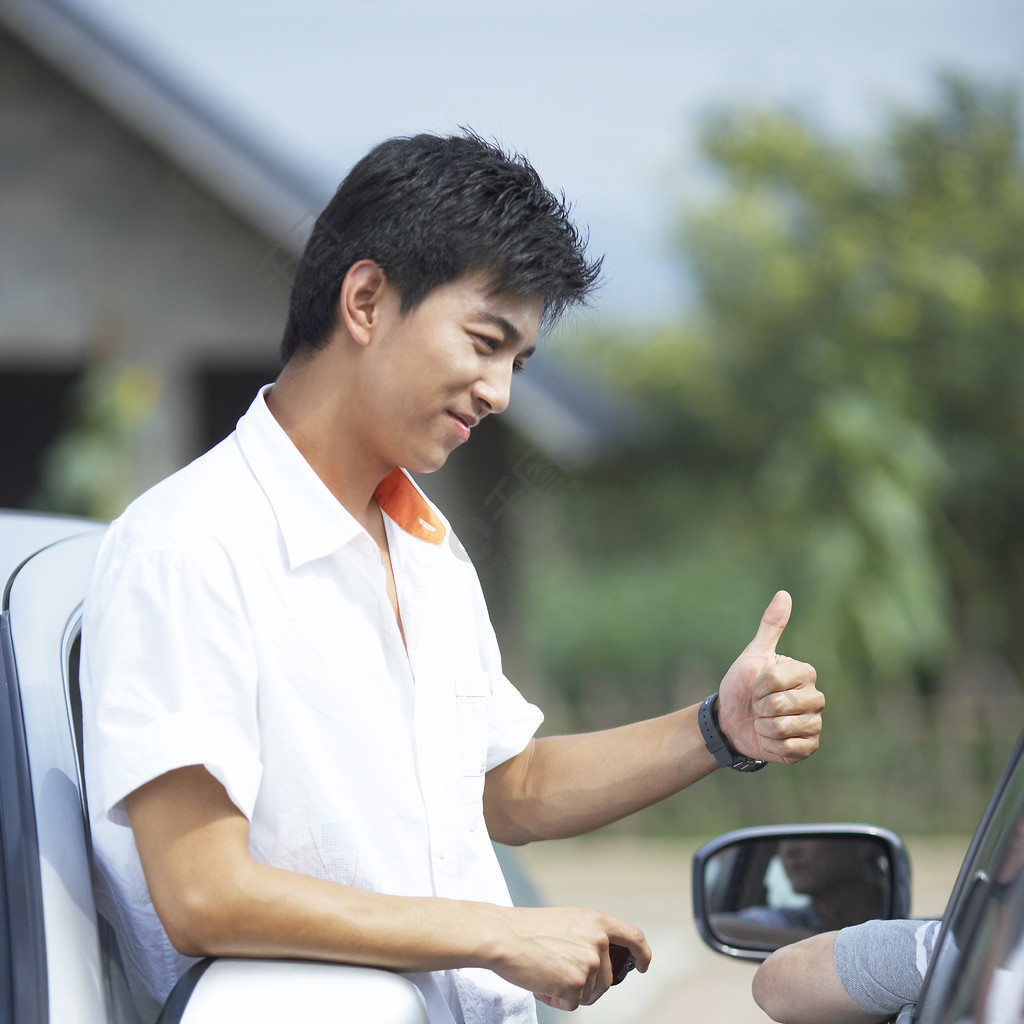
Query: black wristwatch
{"points": [[715, 741]]}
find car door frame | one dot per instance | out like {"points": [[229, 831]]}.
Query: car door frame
{"points": [[23, 994], [960, 919], [53, 942]]}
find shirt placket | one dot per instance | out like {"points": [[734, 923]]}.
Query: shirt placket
{"points": [[415, 565]]}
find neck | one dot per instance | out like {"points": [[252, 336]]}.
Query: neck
{"points": [[313, 413]]}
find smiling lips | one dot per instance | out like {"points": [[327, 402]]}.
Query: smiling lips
{"points": [[463, 424]]}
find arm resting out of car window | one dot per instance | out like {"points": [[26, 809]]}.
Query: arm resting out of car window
{"points": [[799, 984], [866, 972]]}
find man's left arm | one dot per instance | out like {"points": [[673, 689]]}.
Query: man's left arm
{"points": [[769, 708]]}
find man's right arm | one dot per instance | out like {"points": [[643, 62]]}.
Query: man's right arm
{"points": [[215, 899]]}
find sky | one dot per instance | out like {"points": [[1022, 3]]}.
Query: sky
{"points": [[605, 98]]}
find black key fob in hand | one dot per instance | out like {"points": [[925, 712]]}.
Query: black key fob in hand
{"points": [[622, 962]]}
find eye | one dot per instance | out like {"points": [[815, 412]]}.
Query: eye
{"points": [[491, 344]]}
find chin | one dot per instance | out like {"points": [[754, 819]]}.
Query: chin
{"points": [[424, 465]]}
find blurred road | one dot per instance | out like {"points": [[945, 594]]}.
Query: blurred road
{"points": [[648, 882]]}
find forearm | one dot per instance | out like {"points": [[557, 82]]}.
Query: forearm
{"points": [[266, 911], [214, 899], [568, 785], [560, 953], [769, 708]]}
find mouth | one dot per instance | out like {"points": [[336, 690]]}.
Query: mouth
{"points": [[463, 424]]}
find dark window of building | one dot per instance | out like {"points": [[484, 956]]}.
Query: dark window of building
{"points": [[224, 395], [35, 407]]}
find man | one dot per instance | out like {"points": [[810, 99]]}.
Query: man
{"points": [[293, 694]]}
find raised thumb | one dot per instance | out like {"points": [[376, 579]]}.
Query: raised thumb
{"points": [[773, 622]]}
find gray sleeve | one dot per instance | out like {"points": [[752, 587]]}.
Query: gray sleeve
{"points": [[882, 963]]}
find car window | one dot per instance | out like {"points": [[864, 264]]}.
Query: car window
{"points": [[978, 973]]}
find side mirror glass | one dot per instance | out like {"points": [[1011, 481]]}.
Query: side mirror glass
{"points": [[761, 888]]}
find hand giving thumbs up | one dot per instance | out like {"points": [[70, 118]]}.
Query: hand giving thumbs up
{"points": [[769, 707]]}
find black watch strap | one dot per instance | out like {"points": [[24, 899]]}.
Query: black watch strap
{"points": [[717, 744]]}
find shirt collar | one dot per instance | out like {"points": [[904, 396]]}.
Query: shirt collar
{"points": [[312, 521], [403, 502]]}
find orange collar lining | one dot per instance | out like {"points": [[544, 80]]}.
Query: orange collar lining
{"points": [[398, 497]]}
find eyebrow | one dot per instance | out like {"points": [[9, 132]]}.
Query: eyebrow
{"points": [[511, 333]]}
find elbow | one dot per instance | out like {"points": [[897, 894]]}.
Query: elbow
{"points": [[510, 821], [200, 921], [764, 991], [514, 839], [759, 990], [191, 927], [503, 829]]}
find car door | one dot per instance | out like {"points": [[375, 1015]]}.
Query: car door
{"points": [[977, 970], [50, 947]]}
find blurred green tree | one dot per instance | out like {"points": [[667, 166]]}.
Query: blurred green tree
{"points": [[866, 312], [842, 413], [98, 464]]}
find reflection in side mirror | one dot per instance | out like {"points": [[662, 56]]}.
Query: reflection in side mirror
{"points": [[761, 888]]}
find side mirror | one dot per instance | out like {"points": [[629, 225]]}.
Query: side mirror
{"points": [[757, 889]]}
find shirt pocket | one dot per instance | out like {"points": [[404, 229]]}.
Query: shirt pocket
{"points": [[472, 697]]}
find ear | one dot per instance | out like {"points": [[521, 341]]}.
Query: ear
{"points": [[361, 300]]}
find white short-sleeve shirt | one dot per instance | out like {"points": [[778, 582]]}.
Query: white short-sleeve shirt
{"points": [[238, 619]]}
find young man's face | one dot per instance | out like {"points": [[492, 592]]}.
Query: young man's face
{"points": [[441, 368]]}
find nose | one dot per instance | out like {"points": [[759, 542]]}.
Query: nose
{"points": [[494, 387]]}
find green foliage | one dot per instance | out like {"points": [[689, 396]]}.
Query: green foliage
{"points": [[841, 414], [866, 316], [95, 467]]}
